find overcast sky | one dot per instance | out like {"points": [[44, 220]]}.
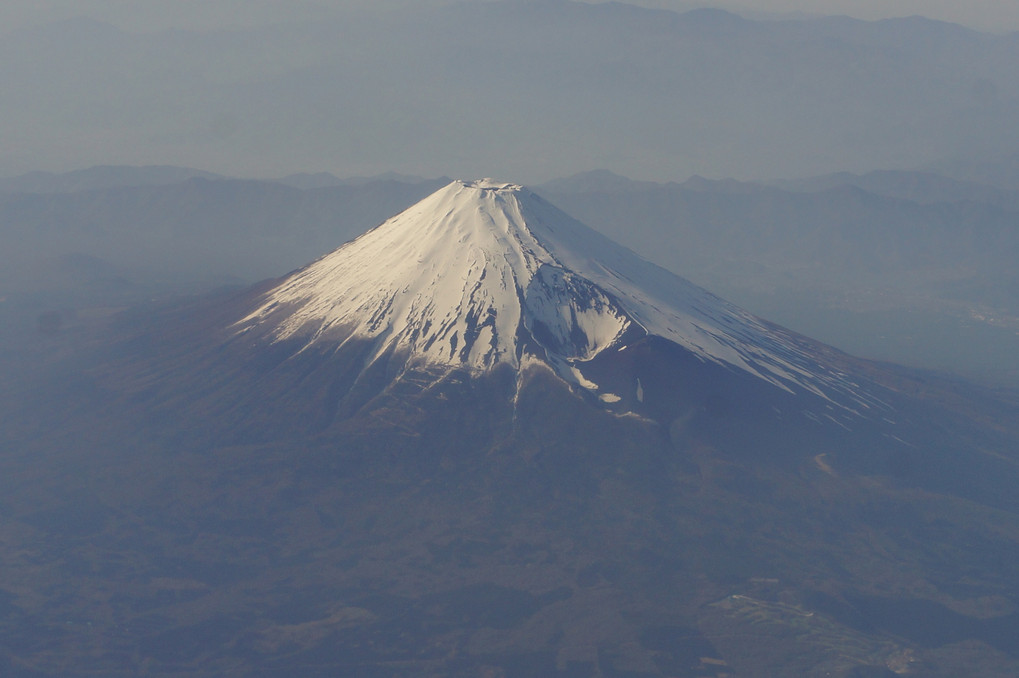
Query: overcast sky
{"points": [[999, 15]]}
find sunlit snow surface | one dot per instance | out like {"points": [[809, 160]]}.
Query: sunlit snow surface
{"points": [[472, 273]]}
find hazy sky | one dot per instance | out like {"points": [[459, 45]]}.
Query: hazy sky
{"points": [[999, 15], [360, 103]]}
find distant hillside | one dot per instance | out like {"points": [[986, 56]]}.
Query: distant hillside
{"points": [[999, 170], [190, 234], [514, 89], [921, 187], [100, 177]]}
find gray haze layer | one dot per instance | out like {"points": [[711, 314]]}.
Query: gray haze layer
{"points": [[994, 15], [522, 90]]}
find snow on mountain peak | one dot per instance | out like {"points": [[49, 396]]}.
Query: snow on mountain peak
{"points": [[483, 273], [490, 184]]}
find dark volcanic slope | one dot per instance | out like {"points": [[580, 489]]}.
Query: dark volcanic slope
{"points": [[179, 501]]}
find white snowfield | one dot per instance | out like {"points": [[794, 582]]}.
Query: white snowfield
{"points": [[473, 273]]}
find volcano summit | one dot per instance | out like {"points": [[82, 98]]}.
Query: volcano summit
{"points": [[482, 274]]}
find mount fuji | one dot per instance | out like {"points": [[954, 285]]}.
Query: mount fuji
{"points": [[483, 440], [484, 274]]}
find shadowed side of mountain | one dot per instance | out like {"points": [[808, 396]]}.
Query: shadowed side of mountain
{"points": [[845, 263]]}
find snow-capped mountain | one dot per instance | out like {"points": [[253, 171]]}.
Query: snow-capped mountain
{"points": [[483, 273], [484, 440]]}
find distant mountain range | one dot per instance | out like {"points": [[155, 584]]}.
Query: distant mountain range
{"points": [[919, 187], [908, 265], [189, 234], [101, 177], [1000, 170], [128, 176], [531, 89]]}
